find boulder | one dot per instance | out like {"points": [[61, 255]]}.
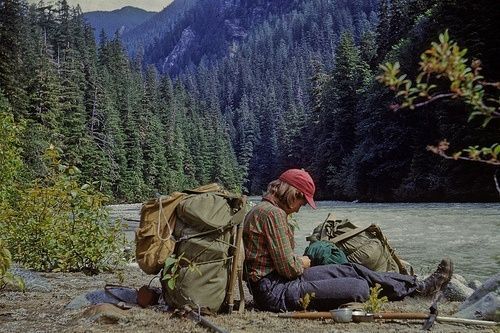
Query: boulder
{"points": [[490, 285], [33, 281], [484, 303], [487, 308], [457, 290], [123, 295], [474, 284]]}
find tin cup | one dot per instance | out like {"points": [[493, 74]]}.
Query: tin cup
{"points": [[342, 315]]}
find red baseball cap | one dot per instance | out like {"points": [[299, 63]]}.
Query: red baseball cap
{"points": [[302, 181]]}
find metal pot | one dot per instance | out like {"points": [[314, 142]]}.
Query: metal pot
{"points": [[360, 316], [342, 315]]}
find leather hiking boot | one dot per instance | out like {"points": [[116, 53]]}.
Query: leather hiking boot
{"points": [[438, 280]]}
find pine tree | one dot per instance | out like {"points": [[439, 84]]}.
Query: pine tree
{"points": [[155, 174], [338, 115], [13, 28], [10, 153], [245, 139]]}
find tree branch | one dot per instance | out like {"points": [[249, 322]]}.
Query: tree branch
{"points": [[433, 98], [449, 157], [496, 181]]}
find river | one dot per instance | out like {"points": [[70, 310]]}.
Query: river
{"points": [[421, 233]]}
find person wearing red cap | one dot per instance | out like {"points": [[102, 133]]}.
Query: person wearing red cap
{"points": [[278, 278]]}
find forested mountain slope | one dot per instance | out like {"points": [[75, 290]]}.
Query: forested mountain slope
{"points": [[162, 23], [247, 89], [189, 30], [298, 90], [117, 21]]}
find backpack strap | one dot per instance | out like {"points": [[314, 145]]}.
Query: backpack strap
{"points": [[349, 234], [168, 214], [404, 267]]}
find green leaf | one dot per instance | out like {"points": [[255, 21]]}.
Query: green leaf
{"points": [[171, 261], [486, 121]]}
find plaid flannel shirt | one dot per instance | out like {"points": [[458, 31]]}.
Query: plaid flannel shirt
{"points": [[269, 243]]}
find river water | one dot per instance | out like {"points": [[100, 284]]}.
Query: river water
{"points": [[423, 233], [420, 233]]}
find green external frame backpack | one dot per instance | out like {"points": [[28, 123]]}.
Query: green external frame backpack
{"points": [[191, 237], [367, 246], [205, 235]]}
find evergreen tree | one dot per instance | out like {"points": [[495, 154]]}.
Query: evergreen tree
{"points": [[155, 162], [338, 107], [13, 29]]}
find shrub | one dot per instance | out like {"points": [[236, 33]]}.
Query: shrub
{"points": [[375, 303], [59, 225], [10, 165], [6, 277]]}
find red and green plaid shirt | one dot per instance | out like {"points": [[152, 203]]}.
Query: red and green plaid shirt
{"points": [[269, 243]]}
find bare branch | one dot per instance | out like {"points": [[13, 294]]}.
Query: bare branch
{"points": [[434, 98], [496, 181], [490, 84]]}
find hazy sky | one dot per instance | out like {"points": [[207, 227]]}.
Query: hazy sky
{"points": [[92, 5]]}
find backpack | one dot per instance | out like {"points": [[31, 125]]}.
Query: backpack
{"points": [[154, 241], [367, 246], [198, 273]]}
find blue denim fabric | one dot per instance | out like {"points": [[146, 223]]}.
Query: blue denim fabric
{"points": [[332, 285]]}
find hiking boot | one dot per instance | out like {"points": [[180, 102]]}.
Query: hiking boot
{"points": [[438, 280]]}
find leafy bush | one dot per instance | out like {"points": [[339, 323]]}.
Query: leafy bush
{"points": [[6, 277], [10, 165], [59, 225]]}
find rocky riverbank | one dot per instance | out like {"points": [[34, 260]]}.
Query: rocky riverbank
{"points": [[68, 302], [64, 302]]}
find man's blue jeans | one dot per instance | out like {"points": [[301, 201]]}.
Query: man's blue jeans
{"points": [[332, 285]]}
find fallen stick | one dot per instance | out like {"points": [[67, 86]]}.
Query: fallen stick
{"points": [[441, 319], [391, 315], [306, 315]]}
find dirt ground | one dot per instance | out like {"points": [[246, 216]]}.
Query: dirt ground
{"points": [[46, 312]]}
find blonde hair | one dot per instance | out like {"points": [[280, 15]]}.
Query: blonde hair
{"points": [[283, 192]]}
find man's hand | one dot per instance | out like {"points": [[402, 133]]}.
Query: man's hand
{"points": [[306, 262]]}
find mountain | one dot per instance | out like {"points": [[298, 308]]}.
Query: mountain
{"points": [[120, 20], [188, 30], [157, 26]]}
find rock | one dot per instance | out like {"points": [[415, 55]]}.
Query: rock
{"points": [[186, 41], [490, 285], [487, 308], [126, 295], [484, 303], [460, 278], [457, 290], [104, 314], [133, 264], [32, 280], [475, 284]]}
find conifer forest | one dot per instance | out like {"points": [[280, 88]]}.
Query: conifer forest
{"points": [[237, 91]]}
